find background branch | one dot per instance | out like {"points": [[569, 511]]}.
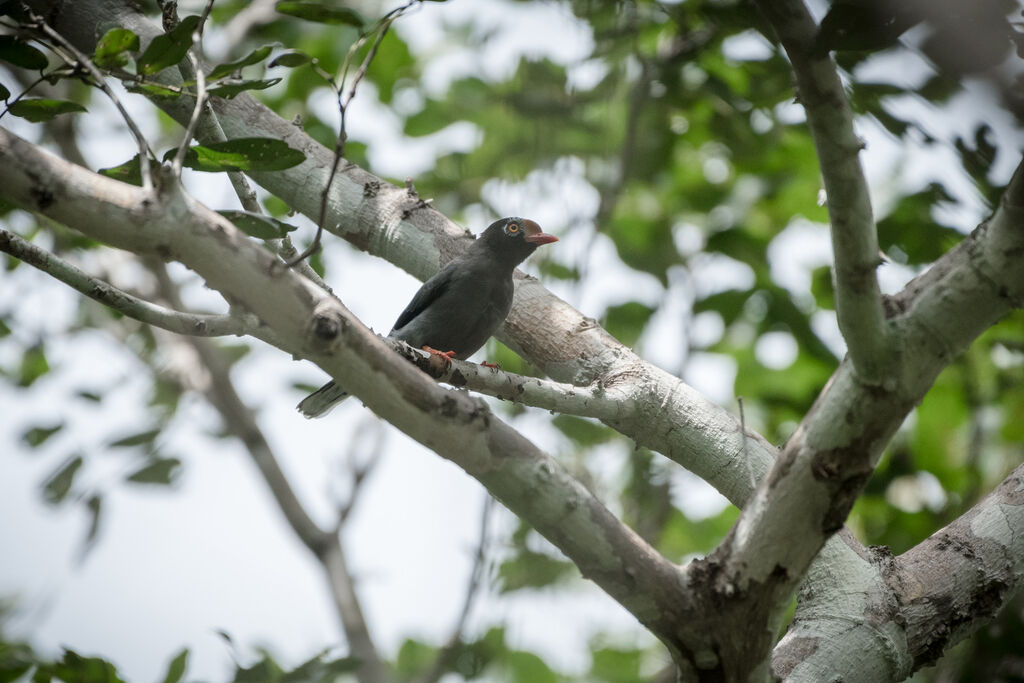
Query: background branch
{"points": [[325, 545]]}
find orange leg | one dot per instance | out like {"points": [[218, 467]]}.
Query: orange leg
{"points": [[492, 366], [445, 355]]}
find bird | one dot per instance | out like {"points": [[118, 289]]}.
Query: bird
{"points": [[457, 310]]}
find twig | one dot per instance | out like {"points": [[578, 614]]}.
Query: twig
{"points": [[210, 125], [193, 324], [343, 103], [602, 402], [359, 468], [444, 656], [257, 13], [197, 111], [85, 62], [24, 92], [325, 545]]}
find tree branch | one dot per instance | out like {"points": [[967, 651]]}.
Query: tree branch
{"points": [[900, 614], [827, 461], [194, 56], [854, 239], [671, 417], [325, 545], [194, 324], [442, 663], [82, 60], [454, 424]]}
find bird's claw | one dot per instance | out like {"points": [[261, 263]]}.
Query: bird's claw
{"points": [[492, 366], [445, 356]]}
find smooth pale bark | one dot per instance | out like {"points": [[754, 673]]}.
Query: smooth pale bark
{"points": [[170, 225], [815, 478]]}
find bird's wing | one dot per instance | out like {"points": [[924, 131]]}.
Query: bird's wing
{"points": [[427, 294]]}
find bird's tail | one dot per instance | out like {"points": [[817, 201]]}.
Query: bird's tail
{"points": [[322, 401]]}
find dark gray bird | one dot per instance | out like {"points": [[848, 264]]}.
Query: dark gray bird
{"points": [[458, 309]]}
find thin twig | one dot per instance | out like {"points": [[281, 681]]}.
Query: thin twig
{"points": [[193, 56], [84, 61], [360, 467], [26, 91], [193, 324], [343, 103], [450, 648]]}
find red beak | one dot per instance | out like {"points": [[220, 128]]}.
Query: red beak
{"points": [[534, 235]]}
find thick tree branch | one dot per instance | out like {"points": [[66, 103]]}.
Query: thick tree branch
{"points": [[854, 239], [195, 324], [958, 579], [671, 417], [394, 224], [900, 614], [827, 461], [454, 424]]}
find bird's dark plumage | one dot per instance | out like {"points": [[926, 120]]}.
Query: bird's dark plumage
{"points": [[460, 307]]}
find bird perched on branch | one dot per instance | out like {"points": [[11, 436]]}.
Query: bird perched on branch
{"points": [[458, 309]]}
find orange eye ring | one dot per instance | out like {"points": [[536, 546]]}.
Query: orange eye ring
{"points": [[513, 228]]}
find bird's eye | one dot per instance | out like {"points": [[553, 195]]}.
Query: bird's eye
{"points": [[513, 228]]}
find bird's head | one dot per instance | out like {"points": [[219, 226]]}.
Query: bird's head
{"points": [[513, 239]]}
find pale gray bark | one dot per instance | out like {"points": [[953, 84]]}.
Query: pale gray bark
{"points": [[457, 426], [733, 598], [854, 238]]}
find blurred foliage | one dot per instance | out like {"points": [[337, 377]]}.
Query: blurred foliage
{"points": [[682, 118]]}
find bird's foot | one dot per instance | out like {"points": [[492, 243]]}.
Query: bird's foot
{"points": [[445, 356], [492, 366]]}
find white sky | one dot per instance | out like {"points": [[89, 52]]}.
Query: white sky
{"points": [[214, 553]]}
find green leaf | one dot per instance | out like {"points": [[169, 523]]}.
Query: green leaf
{"points": [[95, 506], [129, 171], [582, 431], [258, 225], [169, 48], [74, 668], [33, 366], [257, 55], [58, 485], [241, 154], [229, 90], [4, 93], [526, 667], [161, 471], [137, 439], [620, 666], [110, 51], [38, 110], [290, 59], [529, 569], [15, 52], [321, 12], [626, 321], [37, 436], [176, 669]]}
